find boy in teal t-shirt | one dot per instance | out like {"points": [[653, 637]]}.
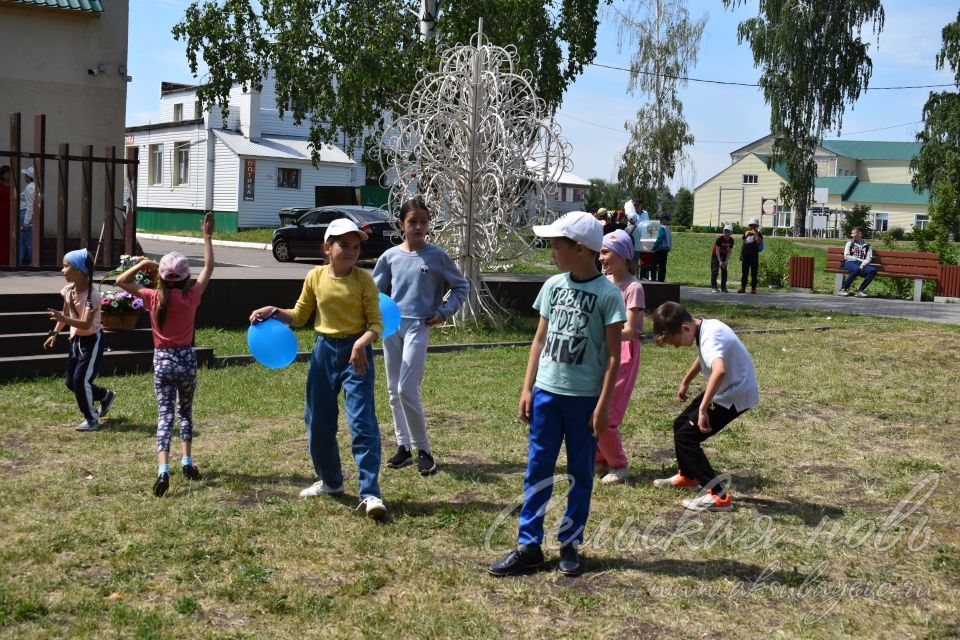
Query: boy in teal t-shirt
{"points": [[571, 371]]}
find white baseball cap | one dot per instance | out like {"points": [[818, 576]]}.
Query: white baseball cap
{"points": [[27, 172], [342, 226], [578, 226], [755, 221], [728, 227]]}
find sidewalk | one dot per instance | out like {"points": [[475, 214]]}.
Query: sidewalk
{"points": [[928, 311]]}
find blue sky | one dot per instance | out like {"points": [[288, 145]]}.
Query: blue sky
{"points": [[594, 109]]}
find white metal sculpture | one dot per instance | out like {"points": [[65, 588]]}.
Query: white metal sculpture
{"points": [[476, 144]]}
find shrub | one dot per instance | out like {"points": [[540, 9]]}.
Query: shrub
{"points": [[774, 264], [897, 233], [679, 228]]}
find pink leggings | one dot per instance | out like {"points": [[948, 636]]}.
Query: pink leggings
{"points": [[610, 447]]}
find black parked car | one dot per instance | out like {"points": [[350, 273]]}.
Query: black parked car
{"points": [[304, 238]]}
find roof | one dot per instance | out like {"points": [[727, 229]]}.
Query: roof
{"points": [[780, 169], [887, 193], [165, 125], [281, 147], [176, 87], [565, 177], [838, 185], [873, 150], [82, 6]]}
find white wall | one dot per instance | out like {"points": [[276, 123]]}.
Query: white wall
{"points": [[264, 210], [226, 183], [167, 195]]}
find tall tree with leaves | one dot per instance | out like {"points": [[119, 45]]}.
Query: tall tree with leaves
{"points": [[345, 65], [683, 208], [937, 166], [814, 64], [665, 43]]}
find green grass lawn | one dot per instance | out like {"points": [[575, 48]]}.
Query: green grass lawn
{"points": [[259, 235], [852, 421]]}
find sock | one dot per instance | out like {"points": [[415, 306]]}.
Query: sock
{"points": [[186, 460], [164, 468]]}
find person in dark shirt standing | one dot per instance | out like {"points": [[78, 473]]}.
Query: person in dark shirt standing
{"points": [[720, 256]]}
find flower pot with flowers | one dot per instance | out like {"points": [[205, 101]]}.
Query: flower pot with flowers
{"points": [[119, 310]]}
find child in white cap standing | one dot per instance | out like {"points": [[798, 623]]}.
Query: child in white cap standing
{"points": [[720, 258], [347, 323]]}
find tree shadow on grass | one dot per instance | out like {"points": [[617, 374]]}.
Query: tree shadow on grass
{"points": [[701, 569], [125, 425], [484, 472], [810, 513]]}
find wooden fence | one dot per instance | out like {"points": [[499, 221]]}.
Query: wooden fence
{"points": [[39, 157]]}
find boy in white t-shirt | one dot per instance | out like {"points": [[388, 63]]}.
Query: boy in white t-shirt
{"points": [[731, 390]]}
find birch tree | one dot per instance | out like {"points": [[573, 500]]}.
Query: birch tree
{"points": [[813, 64]]}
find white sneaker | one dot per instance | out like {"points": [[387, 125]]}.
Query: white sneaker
{"points": [[616, 476], [375, 507], [842, 292], [715, 290], [709, 502], [861, 294], [319, 488], [87, 425]]}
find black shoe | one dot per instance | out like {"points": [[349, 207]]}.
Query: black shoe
{"points": [[190, 472], [426, 465], [571, 563], [161, 484], [401, 458], [522, 559]]}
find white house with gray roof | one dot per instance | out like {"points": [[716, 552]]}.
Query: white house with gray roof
{"points": [[245, 167]]}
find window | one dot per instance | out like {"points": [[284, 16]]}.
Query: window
{"points": [[563, 194], [181, 157], [781, 217], [881, 221], [921, 220], [198, 109], [296, 102], [156, 164], [288, 178], [750, 178], [178, 112]]}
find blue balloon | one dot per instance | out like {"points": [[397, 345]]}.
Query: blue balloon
{"points": [[390, 313], [272, 343]]}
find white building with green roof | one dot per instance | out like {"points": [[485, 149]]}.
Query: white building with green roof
{"points": [[850, 173]]}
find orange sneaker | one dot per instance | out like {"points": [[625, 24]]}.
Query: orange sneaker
{"points": [[677, 481], [709, 502]]}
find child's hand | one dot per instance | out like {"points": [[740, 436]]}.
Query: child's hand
{"points": [[433, 320], [526, 405], [261, 314], [682, 391], [598, 421], [208, 225], [704, 421], [49, 342], [55, 314], [358, 358]]}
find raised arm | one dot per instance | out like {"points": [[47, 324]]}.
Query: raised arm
{"points": [[208, 227], [127, 280]]}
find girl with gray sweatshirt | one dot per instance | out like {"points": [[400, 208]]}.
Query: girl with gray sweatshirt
{"points": [[417, 275]]}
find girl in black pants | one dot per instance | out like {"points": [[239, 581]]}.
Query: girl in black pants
{"points": [[750, 255], [81, 312]]}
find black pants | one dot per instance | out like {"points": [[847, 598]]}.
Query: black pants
{"points": [[750, 265], [658, 268], [687, 437], [82, 367], [716, 268]]}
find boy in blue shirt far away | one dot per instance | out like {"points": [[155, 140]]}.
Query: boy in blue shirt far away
{"points": [[571, 371]]}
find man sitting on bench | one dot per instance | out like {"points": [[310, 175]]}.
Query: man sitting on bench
{"points": [[857, 255]]}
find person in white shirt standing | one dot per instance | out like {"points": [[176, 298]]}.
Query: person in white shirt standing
{"points": [[857, 256], [26, 216]]}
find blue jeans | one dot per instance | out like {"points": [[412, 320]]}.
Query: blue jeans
{"points": [[853, 269], [330, 371], [25, 254], [555, 418]]}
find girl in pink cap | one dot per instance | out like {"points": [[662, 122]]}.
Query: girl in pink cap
{"points": [[173, 308], [615, 256]]}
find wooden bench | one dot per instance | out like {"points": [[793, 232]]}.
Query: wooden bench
{"points": [[910, 265]]}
